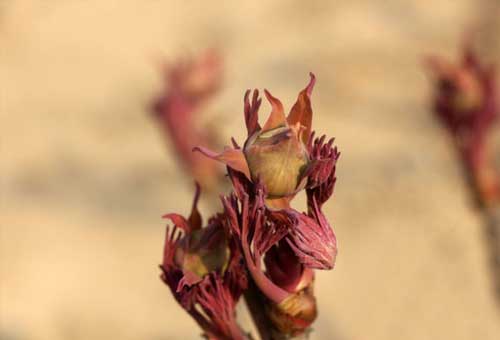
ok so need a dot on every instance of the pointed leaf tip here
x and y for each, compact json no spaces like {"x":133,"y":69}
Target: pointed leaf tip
{"x":179,"y":221}
{"x":234,"y":158}
{"x":277,"y":117}
{"x":195,"y":220}
{"x":311,"y":84}
{"x":251,"y":111}
{"x":301,"y":111}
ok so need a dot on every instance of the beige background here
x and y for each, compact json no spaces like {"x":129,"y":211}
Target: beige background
{"x":85,"y":175}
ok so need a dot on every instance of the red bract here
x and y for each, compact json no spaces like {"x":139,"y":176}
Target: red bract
{"x":466,"y":102}
{"x":285,"y":282}
{"x":202,"y":267}
{"x":214,"y":298}
{"x":188,"y":86}
{"x":284,"y":268}
{"x":321,"y":180}
{"x":312,"y":239}
{"x":247,"y":220}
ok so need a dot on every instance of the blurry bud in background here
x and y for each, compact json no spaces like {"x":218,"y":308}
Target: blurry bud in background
{"x":189,"y":84}
{"x":466,"y":102}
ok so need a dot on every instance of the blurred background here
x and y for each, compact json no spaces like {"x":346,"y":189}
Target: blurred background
{"x":86,"y":172}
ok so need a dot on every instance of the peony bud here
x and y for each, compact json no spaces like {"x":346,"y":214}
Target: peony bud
{"x":202,"y":267}
{"x":279,"y":158}
{"x":203,"y":251}
{"x":295,"y":314}
{"x":275,"y":154}
{"x":279,"y":246}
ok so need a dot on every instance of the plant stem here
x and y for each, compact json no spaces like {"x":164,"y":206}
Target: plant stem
{"x":256,"y":306}
{"x":492,"y":221}
{"x":489,"y":208}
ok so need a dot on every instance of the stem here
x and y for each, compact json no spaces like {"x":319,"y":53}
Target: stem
{"x":303,"y":336}
{"x":490,"y":209}
{"x":256,"y":306}
{"x":492,"y":216}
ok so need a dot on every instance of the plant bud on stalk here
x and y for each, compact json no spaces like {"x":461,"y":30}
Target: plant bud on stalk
{"x":258,"y":232}
{"x":276,"y":153}
{"x":277,"y":156}
{"x":466,"y":102}
{"x":203,"y":269}
{"x":289,"y":243}
{"x":285,"y":283}
{"x":296,"y":312}
{"x":294,"y":315}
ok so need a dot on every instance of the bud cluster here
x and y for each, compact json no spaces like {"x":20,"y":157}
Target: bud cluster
{"x":258,"y":237}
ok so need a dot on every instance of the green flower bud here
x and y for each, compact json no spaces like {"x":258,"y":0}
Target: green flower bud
{"x":278,"y":158}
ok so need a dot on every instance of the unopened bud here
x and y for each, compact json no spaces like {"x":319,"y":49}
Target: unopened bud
{"x":295,"y":314}
{"x":204,"y":251}
{"x":278,"y":158}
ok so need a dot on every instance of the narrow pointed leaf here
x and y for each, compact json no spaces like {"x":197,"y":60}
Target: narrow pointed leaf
{"x":234,"y":158}
{"x":277,"y":117}
{"x":301,"y":111}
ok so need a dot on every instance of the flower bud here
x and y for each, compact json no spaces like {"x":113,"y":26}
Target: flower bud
{"x":201,"y":266}
{"x":295,"y":314}
{"x":466,"y":102}
{"x":278,"y":158}
{"x":275,"y":153}
{"x":203,"y":251}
